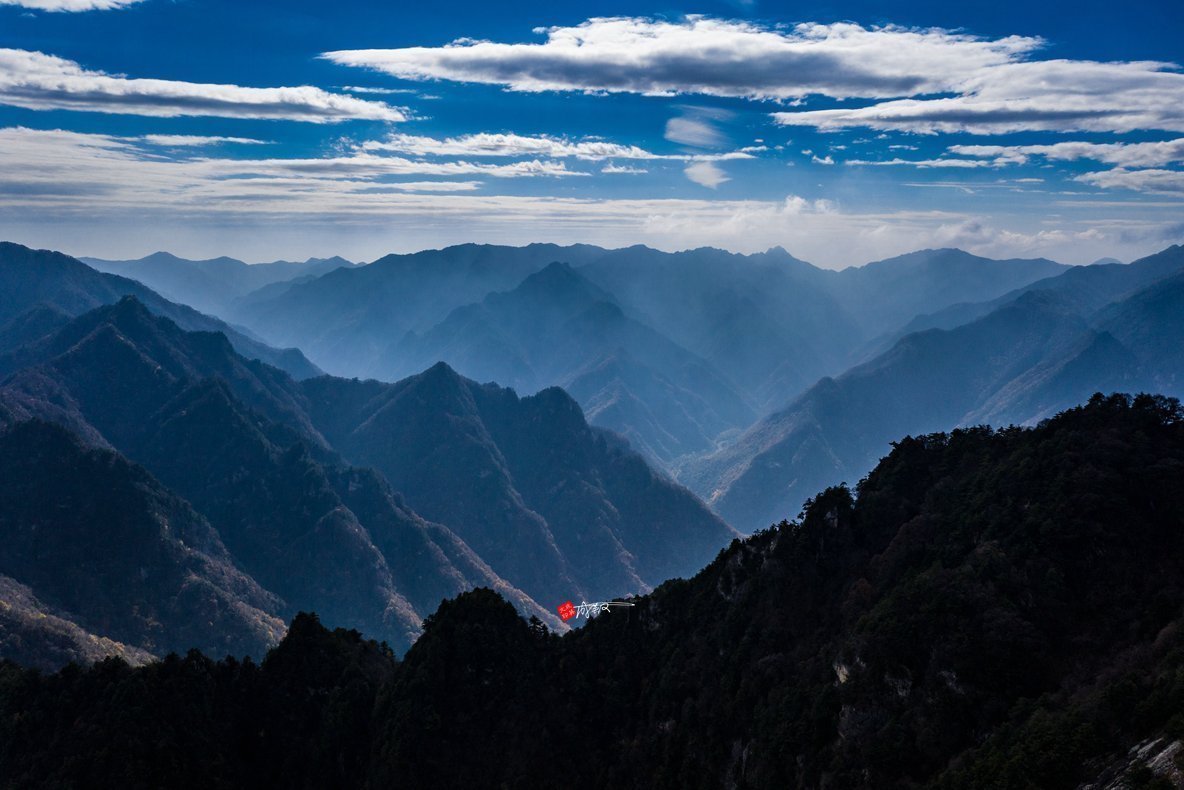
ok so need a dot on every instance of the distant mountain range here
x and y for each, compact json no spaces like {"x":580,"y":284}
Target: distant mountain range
{"x":675,"y":351}
{"x":768,"y":323}
{"x":772,"y":324}
{"x":1015,"y":359}
{"x":517,"y":494}
{"x":41,"y":291}
{"x":753,"y":379}
{"x":349,"y":318}
{"x":557,"y":328}
{"x":216,"y":285}
{"x":256,"y":486}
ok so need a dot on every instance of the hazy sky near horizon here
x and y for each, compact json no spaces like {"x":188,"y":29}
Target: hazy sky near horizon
{"x":838,"y":130}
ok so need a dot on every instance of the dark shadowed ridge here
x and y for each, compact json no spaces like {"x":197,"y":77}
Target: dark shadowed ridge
{"x":35,"y":284}
{"x":558,"y":507}
{"x":145,"y":570}
{"x":233,"y":437}
{"x":522,"y":495}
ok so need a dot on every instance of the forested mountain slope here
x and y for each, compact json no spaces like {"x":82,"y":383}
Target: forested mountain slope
{"x":990,"y":609}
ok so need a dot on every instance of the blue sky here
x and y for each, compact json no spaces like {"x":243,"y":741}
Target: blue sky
{"x":840,"y":131}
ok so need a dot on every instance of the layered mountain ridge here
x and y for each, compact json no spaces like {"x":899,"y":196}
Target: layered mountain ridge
{"x":266,"y":460}
{"x":675,"y":351}
{"x":370,"y":501}
{"x":44,"y":289}
{"x":215,"y":285}
{"x":1042,"y":350}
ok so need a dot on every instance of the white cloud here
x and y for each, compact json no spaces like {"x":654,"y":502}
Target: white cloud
{"x":1054,"y":95}
{"x":922,"y":163}
{"x":507,"y":145}
{"x":1163,"y":182}
{"x":708,"y":56}
{"x":435,"y":186}
{"x":369,"y":166}
{"x":378,"y":91}
{"x":1138,"y":166}
{"x":67,"y":171}
{"x":612,"y":169}
{"x":924,"y":80}
{"x":796,"y":204}
{"x":1150,"y":154}
{"x":706,"y":174}
{"x":37,"y":81}
{"x":84,"y":192}
{"x":825,"y":160}
{"x":71,"y":5}
{"x":694,"y":131}
{"x":194,"y":140}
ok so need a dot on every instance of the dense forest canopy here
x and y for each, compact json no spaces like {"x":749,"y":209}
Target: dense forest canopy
{"x":988,"y":608}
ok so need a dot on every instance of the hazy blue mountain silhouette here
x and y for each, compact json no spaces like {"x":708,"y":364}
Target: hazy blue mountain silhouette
{"x":774,"y":324}
{"x":1044,"y":350}
{"x":765,"y":321}
{"x":759,"y":329}
{"x":213,"y":285}
{"x":1090,"y":287}
{"x":889,"y":293}
{"x":41,"y":290}
{"x":349,"y":318}
{"x":557,"y":328}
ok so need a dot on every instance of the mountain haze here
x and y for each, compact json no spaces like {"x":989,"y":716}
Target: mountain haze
{"x":497,"y":490}
{"x":1041,"y":352}
{"x":212,"y":286}
{"x":41,"y":290}
{"x":349,"y":318}
{"x":557,"y":328}
{"x":675,"y":351}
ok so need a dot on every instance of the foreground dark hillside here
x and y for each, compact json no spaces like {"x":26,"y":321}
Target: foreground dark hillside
{"x":993,"y":609}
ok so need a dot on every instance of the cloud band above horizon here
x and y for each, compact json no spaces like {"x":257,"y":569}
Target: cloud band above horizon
{"x":37,"y":81}
{"x":990,"y":85}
